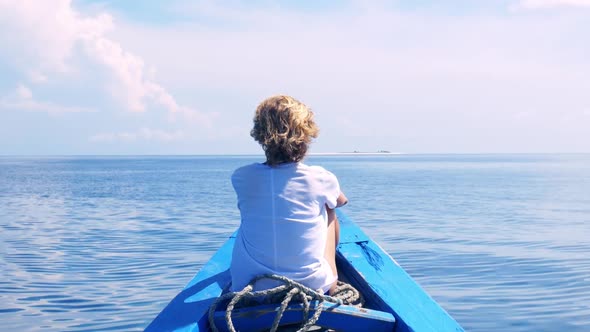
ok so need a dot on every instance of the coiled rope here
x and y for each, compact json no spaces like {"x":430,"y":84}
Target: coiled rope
{"x":289,"y":289}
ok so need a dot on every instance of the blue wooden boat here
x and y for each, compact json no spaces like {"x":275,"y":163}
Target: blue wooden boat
{"x":393,"y":300}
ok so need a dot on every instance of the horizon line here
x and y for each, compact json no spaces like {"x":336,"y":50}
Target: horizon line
{"x":327,"y":154}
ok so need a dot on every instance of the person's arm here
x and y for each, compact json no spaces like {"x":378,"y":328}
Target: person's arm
{"x":332,"y":220}
{"x":341,"y":200}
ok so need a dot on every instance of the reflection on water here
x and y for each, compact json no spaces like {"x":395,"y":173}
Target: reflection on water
{"x":99,"y":243}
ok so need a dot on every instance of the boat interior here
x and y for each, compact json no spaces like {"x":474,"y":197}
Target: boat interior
{"x":334,"y":317}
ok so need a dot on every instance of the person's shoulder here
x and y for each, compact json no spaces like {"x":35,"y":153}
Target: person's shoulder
{"x":246,"y":169}
{"x":318,"y":170}
{"x":313,"y":168}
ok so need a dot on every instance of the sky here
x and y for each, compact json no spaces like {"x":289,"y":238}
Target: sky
{"x":80,"y":77}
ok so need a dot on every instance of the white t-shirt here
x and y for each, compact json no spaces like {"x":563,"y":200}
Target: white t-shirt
{"x":283,"y":224}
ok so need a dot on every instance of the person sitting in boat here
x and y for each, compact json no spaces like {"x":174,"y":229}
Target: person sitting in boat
{"x":288,"y":225}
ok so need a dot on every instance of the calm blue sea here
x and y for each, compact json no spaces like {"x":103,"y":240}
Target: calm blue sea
{"x":502,"y":242}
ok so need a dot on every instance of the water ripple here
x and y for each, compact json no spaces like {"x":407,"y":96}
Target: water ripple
{"x":102,"y":244}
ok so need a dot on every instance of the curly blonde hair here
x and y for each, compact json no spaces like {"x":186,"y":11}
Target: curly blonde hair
{"x":284,"y":127}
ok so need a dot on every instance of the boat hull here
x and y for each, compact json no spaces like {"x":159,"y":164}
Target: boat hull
{"x":361,"y":262}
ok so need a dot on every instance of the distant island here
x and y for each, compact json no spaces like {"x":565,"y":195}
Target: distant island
{"x":380,"y":151}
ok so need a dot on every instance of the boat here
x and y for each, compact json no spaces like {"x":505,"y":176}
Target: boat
{"x":393,"y":300}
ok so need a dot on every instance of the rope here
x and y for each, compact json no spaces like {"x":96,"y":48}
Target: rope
{"x":289,"y":289}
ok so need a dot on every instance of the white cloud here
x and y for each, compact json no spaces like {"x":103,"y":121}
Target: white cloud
{"x":44,"y":38}
{"x":546,"y":4}
{"x":143,"y":134}
{"x":22,"y":92}
{"x":490,"y":82}
{"x":428,"y":82}
{"x":22,"y":99}
{"x":37,"y":77}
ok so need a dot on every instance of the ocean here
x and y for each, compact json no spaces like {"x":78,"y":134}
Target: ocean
{"x":98,"y":243}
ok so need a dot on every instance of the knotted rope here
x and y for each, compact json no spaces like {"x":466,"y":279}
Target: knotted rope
{"x":289,"y":289}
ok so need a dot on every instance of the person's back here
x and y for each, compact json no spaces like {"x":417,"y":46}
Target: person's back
{"x":284,"y":223}
{"x":287,"y":223}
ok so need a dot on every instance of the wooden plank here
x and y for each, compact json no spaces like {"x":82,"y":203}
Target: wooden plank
{"x":380,"y":279}
{"x":188,"y":310}
{"x":342,"y":318}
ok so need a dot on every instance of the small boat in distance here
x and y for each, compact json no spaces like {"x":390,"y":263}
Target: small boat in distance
{"x":393,"y":300}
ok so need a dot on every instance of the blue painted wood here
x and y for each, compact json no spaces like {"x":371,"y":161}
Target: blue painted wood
{"x":386,"y":284}
{"x":361,"y":262}
{"x":188,"y":310}
{"x":341,"y":318}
